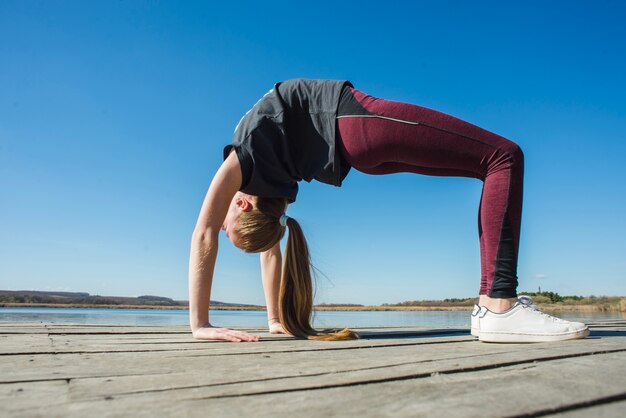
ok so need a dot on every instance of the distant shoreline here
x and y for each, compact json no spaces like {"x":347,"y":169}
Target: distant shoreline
{"x":547,"y":301}
{"x":550,"y":307}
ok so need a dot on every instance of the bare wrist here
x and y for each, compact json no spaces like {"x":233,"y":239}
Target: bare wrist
{"x":197,"y":325}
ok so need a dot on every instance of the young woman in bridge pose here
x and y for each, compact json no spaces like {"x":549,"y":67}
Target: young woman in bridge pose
{"x":319,"y":129}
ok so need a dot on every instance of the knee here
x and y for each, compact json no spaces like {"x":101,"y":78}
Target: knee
{"x":515,"y":153}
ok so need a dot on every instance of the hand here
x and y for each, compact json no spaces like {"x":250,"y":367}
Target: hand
{"x":209,"y":332}
{"x":276,"y":327}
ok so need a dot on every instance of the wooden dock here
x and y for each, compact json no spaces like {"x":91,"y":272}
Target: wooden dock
{"x":53,"y":370}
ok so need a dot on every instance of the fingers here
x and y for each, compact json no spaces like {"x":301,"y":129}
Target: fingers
{"x":235,"y":336}
{"x":224,"y":334}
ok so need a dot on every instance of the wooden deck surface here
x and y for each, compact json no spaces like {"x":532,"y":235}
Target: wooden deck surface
{"x":53,"y":370}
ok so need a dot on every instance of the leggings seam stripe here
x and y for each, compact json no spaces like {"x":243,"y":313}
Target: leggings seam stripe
{"x":408,"y":122}
{"x":464,"y":136}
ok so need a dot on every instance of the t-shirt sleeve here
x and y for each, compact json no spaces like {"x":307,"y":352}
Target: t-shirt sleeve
{"x":227,"y":149}
{"x":262,"y":168}
{"x":245,"y":163}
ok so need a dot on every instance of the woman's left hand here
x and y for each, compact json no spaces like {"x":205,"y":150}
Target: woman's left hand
{"x":276,"y":328}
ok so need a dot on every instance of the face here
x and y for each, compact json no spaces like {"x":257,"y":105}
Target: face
{"x":241,"y":203}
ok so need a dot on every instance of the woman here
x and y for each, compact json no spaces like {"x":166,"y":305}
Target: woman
{"x":318,"y":129}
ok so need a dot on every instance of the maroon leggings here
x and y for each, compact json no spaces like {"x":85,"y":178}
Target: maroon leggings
{"x":391,"y":137}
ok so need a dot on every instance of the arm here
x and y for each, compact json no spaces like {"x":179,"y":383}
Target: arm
{"x":271,"y":262}
{"x":204,"y":240}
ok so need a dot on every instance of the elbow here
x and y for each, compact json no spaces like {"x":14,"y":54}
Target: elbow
{"x":273,"y":252}
{"x":204,"y":237}
{"x":272,"y":257}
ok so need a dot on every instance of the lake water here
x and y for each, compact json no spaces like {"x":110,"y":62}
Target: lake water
{"x":259,"y":318}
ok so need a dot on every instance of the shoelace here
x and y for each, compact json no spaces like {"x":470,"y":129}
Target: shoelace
{"x":527,"y":302}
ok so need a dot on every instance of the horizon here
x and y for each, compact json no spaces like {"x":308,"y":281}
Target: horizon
{"x":52,"y":292}
{"x":114,"y":115}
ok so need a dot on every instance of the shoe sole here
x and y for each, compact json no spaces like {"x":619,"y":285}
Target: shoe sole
{"x":474,"y":331}
{"x":507,"y":337}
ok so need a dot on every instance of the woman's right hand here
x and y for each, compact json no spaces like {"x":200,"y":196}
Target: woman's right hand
{"x":209,"y":332}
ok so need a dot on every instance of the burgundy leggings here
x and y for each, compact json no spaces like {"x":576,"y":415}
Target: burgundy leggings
{"x":391,"y":137}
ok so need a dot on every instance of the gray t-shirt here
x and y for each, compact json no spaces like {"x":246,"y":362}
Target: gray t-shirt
{"x":288,"y":136}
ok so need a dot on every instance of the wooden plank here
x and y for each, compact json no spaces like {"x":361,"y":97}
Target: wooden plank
{"x":131,"y":329}
{"x":310,"y":371}
{"x":7,"y":327}
{"x":17,"y":398}
{"x":89,"y":340}
{"x":76,"y":341}
{"x":611,"y":409}
{"x":504,"y":391}
{"x":106,"y":343}
{"x":368,"y":332}
{"x":303,"y":370}
{"x":92,"y":329}
{"x":519,"y":389}
{"x":91,"y":360}
{"x":41,"y":367}
{"x":99,"y":344}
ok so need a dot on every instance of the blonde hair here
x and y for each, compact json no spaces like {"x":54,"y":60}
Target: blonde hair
{"x":259,"y":230}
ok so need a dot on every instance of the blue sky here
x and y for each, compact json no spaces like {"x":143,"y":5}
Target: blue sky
{"x":113,"y":116}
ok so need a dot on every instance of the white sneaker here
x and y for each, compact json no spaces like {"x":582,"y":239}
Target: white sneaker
{"x":525,"y":323}
{"x":475,"y":329}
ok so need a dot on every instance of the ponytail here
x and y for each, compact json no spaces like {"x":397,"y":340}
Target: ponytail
{"x":296,"y":290}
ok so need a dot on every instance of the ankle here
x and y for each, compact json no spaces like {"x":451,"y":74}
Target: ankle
{"x":497,"y":305}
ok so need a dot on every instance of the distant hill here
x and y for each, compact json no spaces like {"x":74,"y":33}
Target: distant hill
{"x":83,"y":298}
{"x":546,"y":300}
